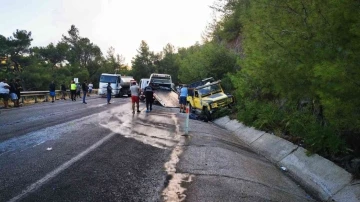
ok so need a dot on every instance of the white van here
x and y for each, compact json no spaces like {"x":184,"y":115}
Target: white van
{"x":143,"y":83}
{"x":114,"y":79}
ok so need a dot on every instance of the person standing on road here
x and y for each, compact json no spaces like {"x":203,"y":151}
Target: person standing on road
{"x":63,"y":91}
{"x":85,"y":90}
{"x":78,"y":90}
{"x":18,"y":89}
{"x":108,"y":92}
{"x":90,"y":86}
{"x":149,"y":97}
{"x":12,"y":92}
{"x":73,"y":90}
{"x":135,"y":96}
{"x":182,"y":98}
{"x":52,"y":87}
{"x":4,"y":92}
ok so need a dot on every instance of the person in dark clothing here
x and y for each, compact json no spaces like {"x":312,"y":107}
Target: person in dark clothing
{"x":63,"y":91}
{"x":84,"y":87}
{"x":18,"y":89}
{"x":78,"y":90}
{"x":149,"y":97}
{"x":12,"y":92}
{"x":108,"y":93}
{"x":52,"y":87}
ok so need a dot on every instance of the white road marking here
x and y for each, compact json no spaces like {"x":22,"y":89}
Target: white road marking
{"x":60,"y":169}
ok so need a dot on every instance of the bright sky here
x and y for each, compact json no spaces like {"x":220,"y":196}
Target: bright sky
{"x":118,"y":23}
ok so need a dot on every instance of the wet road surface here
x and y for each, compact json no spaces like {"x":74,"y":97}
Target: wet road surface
{"x":69,"y":151}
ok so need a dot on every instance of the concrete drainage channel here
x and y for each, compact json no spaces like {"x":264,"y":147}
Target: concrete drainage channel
{"x":323,"y":178}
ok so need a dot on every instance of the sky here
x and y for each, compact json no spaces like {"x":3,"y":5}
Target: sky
{"x":121,"y":24}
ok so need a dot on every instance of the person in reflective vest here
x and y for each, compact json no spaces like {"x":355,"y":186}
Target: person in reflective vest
{"x":73,"y":91}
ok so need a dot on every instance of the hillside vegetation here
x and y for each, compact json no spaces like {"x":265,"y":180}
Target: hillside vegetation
{"x":294,"y":67}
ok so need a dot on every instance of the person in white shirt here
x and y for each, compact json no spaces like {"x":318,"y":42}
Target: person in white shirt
{"x":90,"y":86}
{"x":135,"y":89}
{"x":4,"y":92}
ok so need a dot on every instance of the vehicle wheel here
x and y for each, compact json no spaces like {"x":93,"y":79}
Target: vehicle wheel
{"x":206,"y":114}
{"x":129,"y":95}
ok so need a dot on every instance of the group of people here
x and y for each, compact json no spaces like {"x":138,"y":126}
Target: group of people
{"x":149,"y":97}
{"x":75,"y":90}
{"x":135,"y":92}
{"x":10,"y":91}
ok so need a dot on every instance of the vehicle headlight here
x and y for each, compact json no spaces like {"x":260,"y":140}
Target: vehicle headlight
{"x":214,"y":105}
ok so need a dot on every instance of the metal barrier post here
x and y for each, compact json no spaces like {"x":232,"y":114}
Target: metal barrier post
{"x":187,"y":120}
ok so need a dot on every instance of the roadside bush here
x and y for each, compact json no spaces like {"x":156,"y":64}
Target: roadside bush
{"x":226,"y":84}
{"x":317,"y":137}
{"x":296,"y":125}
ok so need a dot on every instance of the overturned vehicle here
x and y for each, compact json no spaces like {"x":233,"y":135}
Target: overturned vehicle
{"x":207,"y":96}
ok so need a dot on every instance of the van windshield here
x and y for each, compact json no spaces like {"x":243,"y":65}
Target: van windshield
{"x":107,"y":79}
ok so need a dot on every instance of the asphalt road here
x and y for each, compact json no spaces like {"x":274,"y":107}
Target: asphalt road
{"x":69,"y":151}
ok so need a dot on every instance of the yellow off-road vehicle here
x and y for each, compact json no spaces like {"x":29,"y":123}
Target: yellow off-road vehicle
{"x":207,"y":96}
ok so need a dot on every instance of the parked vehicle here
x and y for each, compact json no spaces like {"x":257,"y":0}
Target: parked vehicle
{"x":163,"y":90}
{"x":161,"y":81}
{"x":143,"y":83}
{"x":206,"y":97}
{"x":125,"y":85}
{"x":120,"y":84}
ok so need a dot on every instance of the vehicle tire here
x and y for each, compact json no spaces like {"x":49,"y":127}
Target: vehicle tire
{"x":129,"y":95}
{"x":206,"y":115}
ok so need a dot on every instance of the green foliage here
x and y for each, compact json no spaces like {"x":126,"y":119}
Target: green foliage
{"x":143,"y":63}
{"x":208,"y":60}
{"x":73,"y":57}
{"x":35,"y":77}
{"x":168,"y":64}
{"x":299,"y":71}
{"x":227,"y":84}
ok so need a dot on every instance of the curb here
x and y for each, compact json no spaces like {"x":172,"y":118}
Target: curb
{"x":323,"y":178}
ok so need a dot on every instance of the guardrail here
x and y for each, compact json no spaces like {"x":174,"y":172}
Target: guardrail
{"x":45,"y":94}
{"x":35,"y":94}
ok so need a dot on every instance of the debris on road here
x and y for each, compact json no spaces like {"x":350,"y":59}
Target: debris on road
{"x":49,"y":149}
{"x":283,"y":168}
